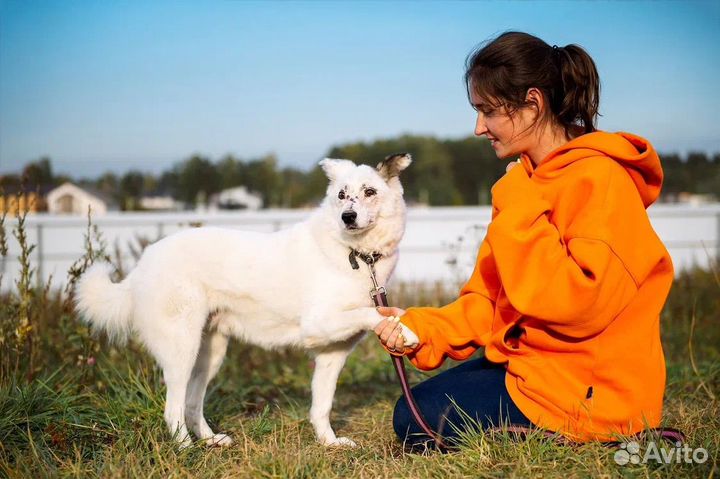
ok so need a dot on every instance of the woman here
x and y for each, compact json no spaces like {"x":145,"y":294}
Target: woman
{"x":570,"y":279}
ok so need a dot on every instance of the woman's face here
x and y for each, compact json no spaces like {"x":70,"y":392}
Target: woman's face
{"x":509,"y":134}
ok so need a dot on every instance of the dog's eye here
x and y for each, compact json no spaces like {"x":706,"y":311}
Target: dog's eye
{"x":341,"y":195}
{"x":370,"y":192}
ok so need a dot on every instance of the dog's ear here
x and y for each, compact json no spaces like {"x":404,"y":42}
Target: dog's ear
{"x":335,"y":168}
{"x":392,"y":165}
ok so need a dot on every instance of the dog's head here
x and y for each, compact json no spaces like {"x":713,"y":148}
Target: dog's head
{"x":359,"y":195}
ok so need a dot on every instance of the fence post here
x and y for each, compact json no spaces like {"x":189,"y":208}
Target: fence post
{"x":717,"y":239}
{"x":40,"y":253}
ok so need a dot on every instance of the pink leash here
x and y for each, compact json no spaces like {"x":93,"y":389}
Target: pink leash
{"x":379,"y":297}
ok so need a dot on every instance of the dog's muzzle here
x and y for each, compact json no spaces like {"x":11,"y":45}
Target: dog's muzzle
{"x":348,"y":217}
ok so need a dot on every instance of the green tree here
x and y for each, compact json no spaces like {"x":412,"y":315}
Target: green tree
{"x":304,"y":189}
{"x":109,"y":185}
{"x":131,"y":189}
{"x":168,"y":184}
{"x":429,"y":180}
{"x":197,"y":179}
{"x":263,"y":178}
{"x":150,"y":184}
{"x":38,"y":173}
{"x":475,"y":168}
{"x":9,"y":183}
{"x":232,"y":171}
{"x":705,"y":171}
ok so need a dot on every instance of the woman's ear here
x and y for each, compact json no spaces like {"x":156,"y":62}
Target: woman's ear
{"x":535,"y":97}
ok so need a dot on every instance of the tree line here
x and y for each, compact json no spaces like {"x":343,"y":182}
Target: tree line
{"x":444,"y":173}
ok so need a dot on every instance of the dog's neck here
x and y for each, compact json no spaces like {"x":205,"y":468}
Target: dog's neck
{"x":369,"y":259}
{"x":383,"y":238}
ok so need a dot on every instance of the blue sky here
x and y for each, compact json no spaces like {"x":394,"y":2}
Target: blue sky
{"x":118,"y":85}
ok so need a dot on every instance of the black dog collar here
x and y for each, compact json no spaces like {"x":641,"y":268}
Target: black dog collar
{"x":370,"y":259}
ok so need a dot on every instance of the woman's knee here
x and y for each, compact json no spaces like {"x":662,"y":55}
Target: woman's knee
{"x":402,"y":420}
{"x":405,"y":425}
{"x":407,"y":430}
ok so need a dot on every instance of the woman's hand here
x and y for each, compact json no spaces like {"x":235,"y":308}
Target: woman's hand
{"x":389,"y":330}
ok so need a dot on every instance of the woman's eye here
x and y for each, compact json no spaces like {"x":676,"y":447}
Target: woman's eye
{"x":341,"y":195}
{"x":370,"y":192}
{"x":486,"y":110}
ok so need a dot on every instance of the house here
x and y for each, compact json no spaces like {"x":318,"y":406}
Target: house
{"x":71,"y":199}
{"x":238,"y":198}
{"x":21,"y":202}
{"x":160,"y":203}
{"x":693,"y":199}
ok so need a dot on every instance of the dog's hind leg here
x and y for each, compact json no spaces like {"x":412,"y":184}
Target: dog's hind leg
{"x":210,"y":357}
{"x":174,"y":341}
{"x":328,"y":364}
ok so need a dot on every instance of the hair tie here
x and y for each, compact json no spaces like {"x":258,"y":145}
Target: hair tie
{"x":556,"y":53}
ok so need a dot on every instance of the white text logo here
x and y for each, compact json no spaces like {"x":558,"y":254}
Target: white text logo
{"x":682,"y":453}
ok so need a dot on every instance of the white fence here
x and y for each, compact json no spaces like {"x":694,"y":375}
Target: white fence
{"x":439,"y":243}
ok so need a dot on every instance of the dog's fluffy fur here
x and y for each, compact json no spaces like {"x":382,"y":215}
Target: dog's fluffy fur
{"x":194,"y":289}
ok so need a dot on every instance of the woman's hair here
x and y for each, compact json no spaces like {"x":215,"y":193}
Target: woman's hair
{"x":503,"y":69}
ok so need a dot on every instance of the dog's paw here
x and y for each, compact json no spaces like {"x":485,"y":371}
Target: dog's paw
{"x":340,"y":442}
{"x":411,"y":339}
{"x":218,"y":440}
{"x":184,"y":444}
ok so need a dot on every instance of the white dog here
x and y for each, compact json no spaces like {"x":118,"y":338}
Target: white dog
{"x":305,"y":286}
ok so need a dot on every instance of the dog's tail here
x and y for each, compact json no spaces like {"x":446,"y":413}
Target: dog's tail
{"x":104,"y":304}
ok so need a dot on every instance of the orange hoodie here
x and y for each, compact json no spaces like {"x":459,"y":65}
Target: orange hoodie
{"x":567,"y":290}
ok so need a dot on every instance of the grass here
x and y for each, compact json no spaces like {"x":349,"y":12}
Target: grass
{"x":73,"y":406}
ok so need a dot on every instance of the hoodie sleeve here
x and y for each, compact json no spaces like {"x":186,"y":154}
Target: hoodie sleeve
{"x":576,"y":285}
{"x":457,"y":329}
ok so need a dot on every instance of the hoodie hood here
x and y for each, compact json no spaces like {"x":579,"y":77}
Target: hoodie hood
{"x":634,"y":153}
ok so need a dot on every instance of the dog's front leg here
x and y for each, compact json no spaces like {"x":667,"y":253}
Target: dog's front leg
{"x":321,"y":329}
{"x":327,"y":369}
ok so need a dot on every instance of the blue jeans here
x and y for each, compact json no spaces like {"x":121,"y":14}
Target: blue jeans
{"x":476,"y":387}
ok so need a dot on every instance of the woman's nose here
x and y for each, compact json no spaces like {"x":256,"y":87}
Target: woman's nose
{"x":480,"y":128}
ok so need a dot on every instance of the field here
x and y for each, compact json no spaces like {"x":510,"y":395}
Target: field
{"x":73,"y":406}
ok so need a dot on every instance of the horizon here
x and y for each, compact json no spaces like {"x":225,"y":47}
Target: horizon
{"x":102,"y":87}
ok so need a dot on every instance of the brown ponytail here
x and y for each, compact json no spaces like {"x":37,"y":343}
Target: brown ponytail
{"x":503,"y":69}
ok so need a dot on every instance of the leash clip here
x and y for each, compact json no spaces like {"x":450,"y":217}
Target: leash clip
{"x":377,"y":289}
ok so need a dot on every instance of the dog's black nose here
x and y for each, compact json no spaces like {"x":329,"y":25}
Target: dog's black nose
{"x":348,"y":217}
